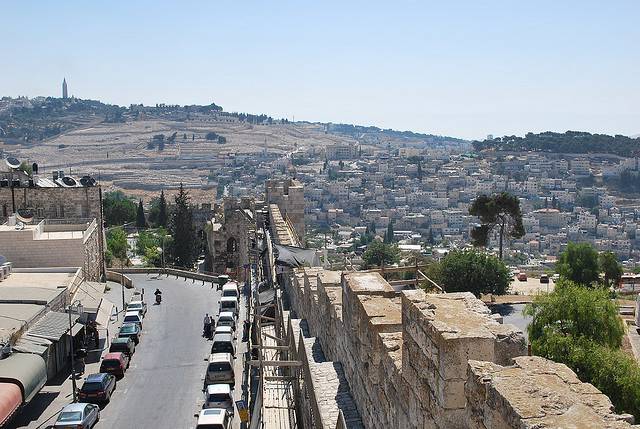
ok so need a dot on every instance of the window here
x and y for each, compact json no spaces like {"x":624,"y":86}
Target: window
{"x":232,"y":245}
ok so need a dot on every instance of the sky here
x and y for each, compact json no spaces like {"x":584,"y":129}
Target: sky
{"x":456,"y":68}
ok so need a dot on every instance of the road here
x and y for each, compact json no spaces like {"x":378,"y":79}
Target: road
{"x":163,"y":386}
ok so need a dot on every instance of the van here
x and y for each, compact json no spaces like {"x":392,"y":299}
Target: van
{"x":229,"y":303}
{"x":133,"y":317}
{"x":223,"y":343}
{"x":124,"y":345}
{"x":219,"y":396}
{"x":214,"y":418}
{"x":220,"y":369}
{"x":230,"y":290}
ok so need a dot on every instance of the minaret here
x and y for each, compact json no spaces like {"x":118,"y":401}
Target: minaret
{"x":64,"y":89}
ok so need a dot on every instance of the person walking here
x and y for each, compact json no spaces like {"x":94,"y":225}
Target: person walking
{"x":207,"y":325}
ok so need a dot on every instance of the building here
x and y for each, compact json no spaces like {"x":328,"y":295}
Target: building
{"x":65,"y":94}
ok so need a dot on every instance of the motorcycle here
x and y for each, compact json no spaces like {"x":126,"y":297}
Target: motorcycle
{"x":158,"y":298}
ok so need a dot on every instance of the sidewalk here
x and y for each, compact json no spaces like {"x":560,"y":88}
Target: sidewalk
{"x":43,"y":409}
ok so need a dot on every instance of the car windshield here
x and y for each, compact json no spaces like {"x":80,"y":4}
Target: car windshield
{"x":131,"y":319}
{"x":70,"y":416}
{"x":210,"y":426}
{"x":111,"y":363}
{"x":91,"y":387}
{"x":128,"y":330}
{"x":135,"y":306}
{"x":219,"y":366}
{"x":219,"y":397}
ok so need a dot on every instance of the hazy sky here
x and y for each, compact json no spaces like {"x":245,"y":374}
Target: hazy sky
{"x":456,"y":68}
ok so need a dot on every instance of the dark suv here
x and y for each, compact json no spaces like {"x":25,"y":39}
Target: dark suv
{"x":124,"y":345}
{"x":97,"y":388}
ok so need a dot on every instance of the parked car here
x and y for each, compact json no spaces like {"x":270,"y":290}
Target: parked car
{"x":223,"y":343}
{"x":214,"y":418}
{"x":115,"y":363}
{"x":219,"y":396}
{"x":226,"y":318}
{"x":78,"y":415}
{"x":125,"y":345}
{"x":223,"y":329}
{"x":522,"y":277}
{"x":229,"y":303}
{"x":230,"y":290}
{"x":97,"y":388}
{"x":220,"y":369}
{"x":544,"y":278}
{"x":130,"y":330}
{"x":555,"y":277}
{"x":140,"y":306}
{"x":133,"y":317}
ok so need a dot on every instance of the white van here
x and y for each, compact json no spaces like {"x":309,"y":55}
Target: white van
{"x":220,"y":369}
{"x":230,"y":290}
{"x":214,"y":418}
{"x":229,"y":303}
{"x":219,"y":396}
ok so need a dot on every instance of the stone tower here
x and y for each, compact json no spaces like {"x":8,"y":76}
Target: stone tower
{"x":64,"y":89}
{"x":289,"y":196}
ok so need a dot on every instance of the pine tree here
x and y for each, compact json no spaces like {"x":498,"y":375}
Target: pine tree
{"x":184,"y":245}
{"x":163,"y":217}
{"x":140,"y":220}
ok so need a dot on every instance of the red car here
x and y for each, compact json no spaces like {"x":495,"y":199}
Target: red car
{"x":522,"y":277}
{"x":115,"y":363}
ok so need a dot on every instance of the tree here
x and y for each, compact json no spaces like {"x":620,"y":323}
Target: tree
{"x":140,"y":220}
{"x":500,"y":211}
{"x":211,"y":135}
{"x":579,"y":263}
{"x":611,"y":268}
{"x":581,"y":328}
{"x":160,"y":212}
{"x":388,"y":237}
{"x":117,"y":242}
{"x":379,"y":254}
{"x":118,"y":211}
{"x":184,"y":247}
{"x":472,"y":271}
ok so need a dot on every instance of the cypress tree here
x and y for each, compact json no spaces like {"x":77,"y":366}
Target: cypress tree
{"x":140,"y":220}
{"x":184,"y":244}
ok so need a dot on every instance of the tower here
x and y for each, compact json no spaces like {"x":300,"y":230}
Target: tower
{"x":64,"y":89}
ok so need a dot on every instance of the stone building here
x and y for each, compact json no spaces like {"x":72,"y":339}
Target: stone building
{"x":289,"y":196}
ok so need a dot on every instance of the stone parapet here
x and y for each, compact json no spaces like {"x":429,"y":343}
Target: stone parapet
{"x":535,"y":393}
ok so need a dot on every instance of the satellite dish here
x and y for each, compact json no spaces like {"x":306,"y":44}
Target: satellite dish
{"x":12,"y":162}
{"x":69,"y":181}
{"x":25,"y":215}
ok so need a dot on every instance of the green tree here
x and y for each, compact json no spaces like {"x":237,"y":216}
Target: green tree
{"x":581,"y":328}
{"x":140,"y":220}
{"x":116,"y":211}
{"x":211,"y":136}
{"x":611,"y":268}
{"x":145,"y":239}
{"x":500,"y":211}
{"x":472,"y":271}
{"x":117,"y":242}
{"x":184,"y":247}
{"x":379,"y":254}
{"x":579,"y":263}
{"x":389,"y":234}
{"x":160,"y":212}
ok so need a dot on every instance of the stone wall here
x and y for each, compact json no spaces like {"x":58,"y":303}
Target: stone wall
{"x":289,"y":196}
{"x":532,"y":393}
{"x":52,"y":203}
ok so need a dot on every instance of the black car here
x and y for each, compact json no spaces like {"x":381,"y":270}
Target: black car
{"x":97,"y":388}
{"x":130,"y":330}
{"x":125,"y":345}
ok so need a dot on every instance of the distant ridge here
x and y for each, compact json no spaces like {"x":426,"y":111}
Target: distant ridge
{"x":569,"y":142}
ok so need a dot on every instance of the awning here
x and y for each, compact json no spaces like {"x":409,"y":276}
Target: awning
{"x":295,"y":256}
{"x":53,"y":325}
{"x":105,"y":310}
{"x":10,"y":400}
{"x":26,"y":370}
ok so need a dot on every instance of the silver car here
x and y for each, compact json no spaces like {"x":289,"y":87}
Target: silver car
{"x":78,"y":415}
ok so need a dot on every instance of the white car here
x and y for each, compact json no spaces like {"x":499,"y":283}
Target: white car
{"x":226,"y":318}
{"x":224,"y":329}
{"x":219,"y":396}
{"x":140,"y":306}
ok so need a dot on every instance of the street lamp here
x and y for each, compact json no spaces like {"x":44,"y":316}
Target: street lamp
{"x":73,"y":359}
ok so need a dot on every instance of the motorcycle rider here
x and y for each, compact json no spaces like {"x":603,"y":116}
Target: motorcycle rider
{"x":158,"y":294}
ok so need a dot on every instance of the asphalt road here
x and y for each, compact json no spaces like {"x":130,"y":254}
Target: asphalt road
{"x":163,"y":386}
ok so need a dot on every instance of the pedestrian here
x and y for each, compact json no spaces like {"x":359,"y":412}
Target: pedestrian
{"x":207,"y":325}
